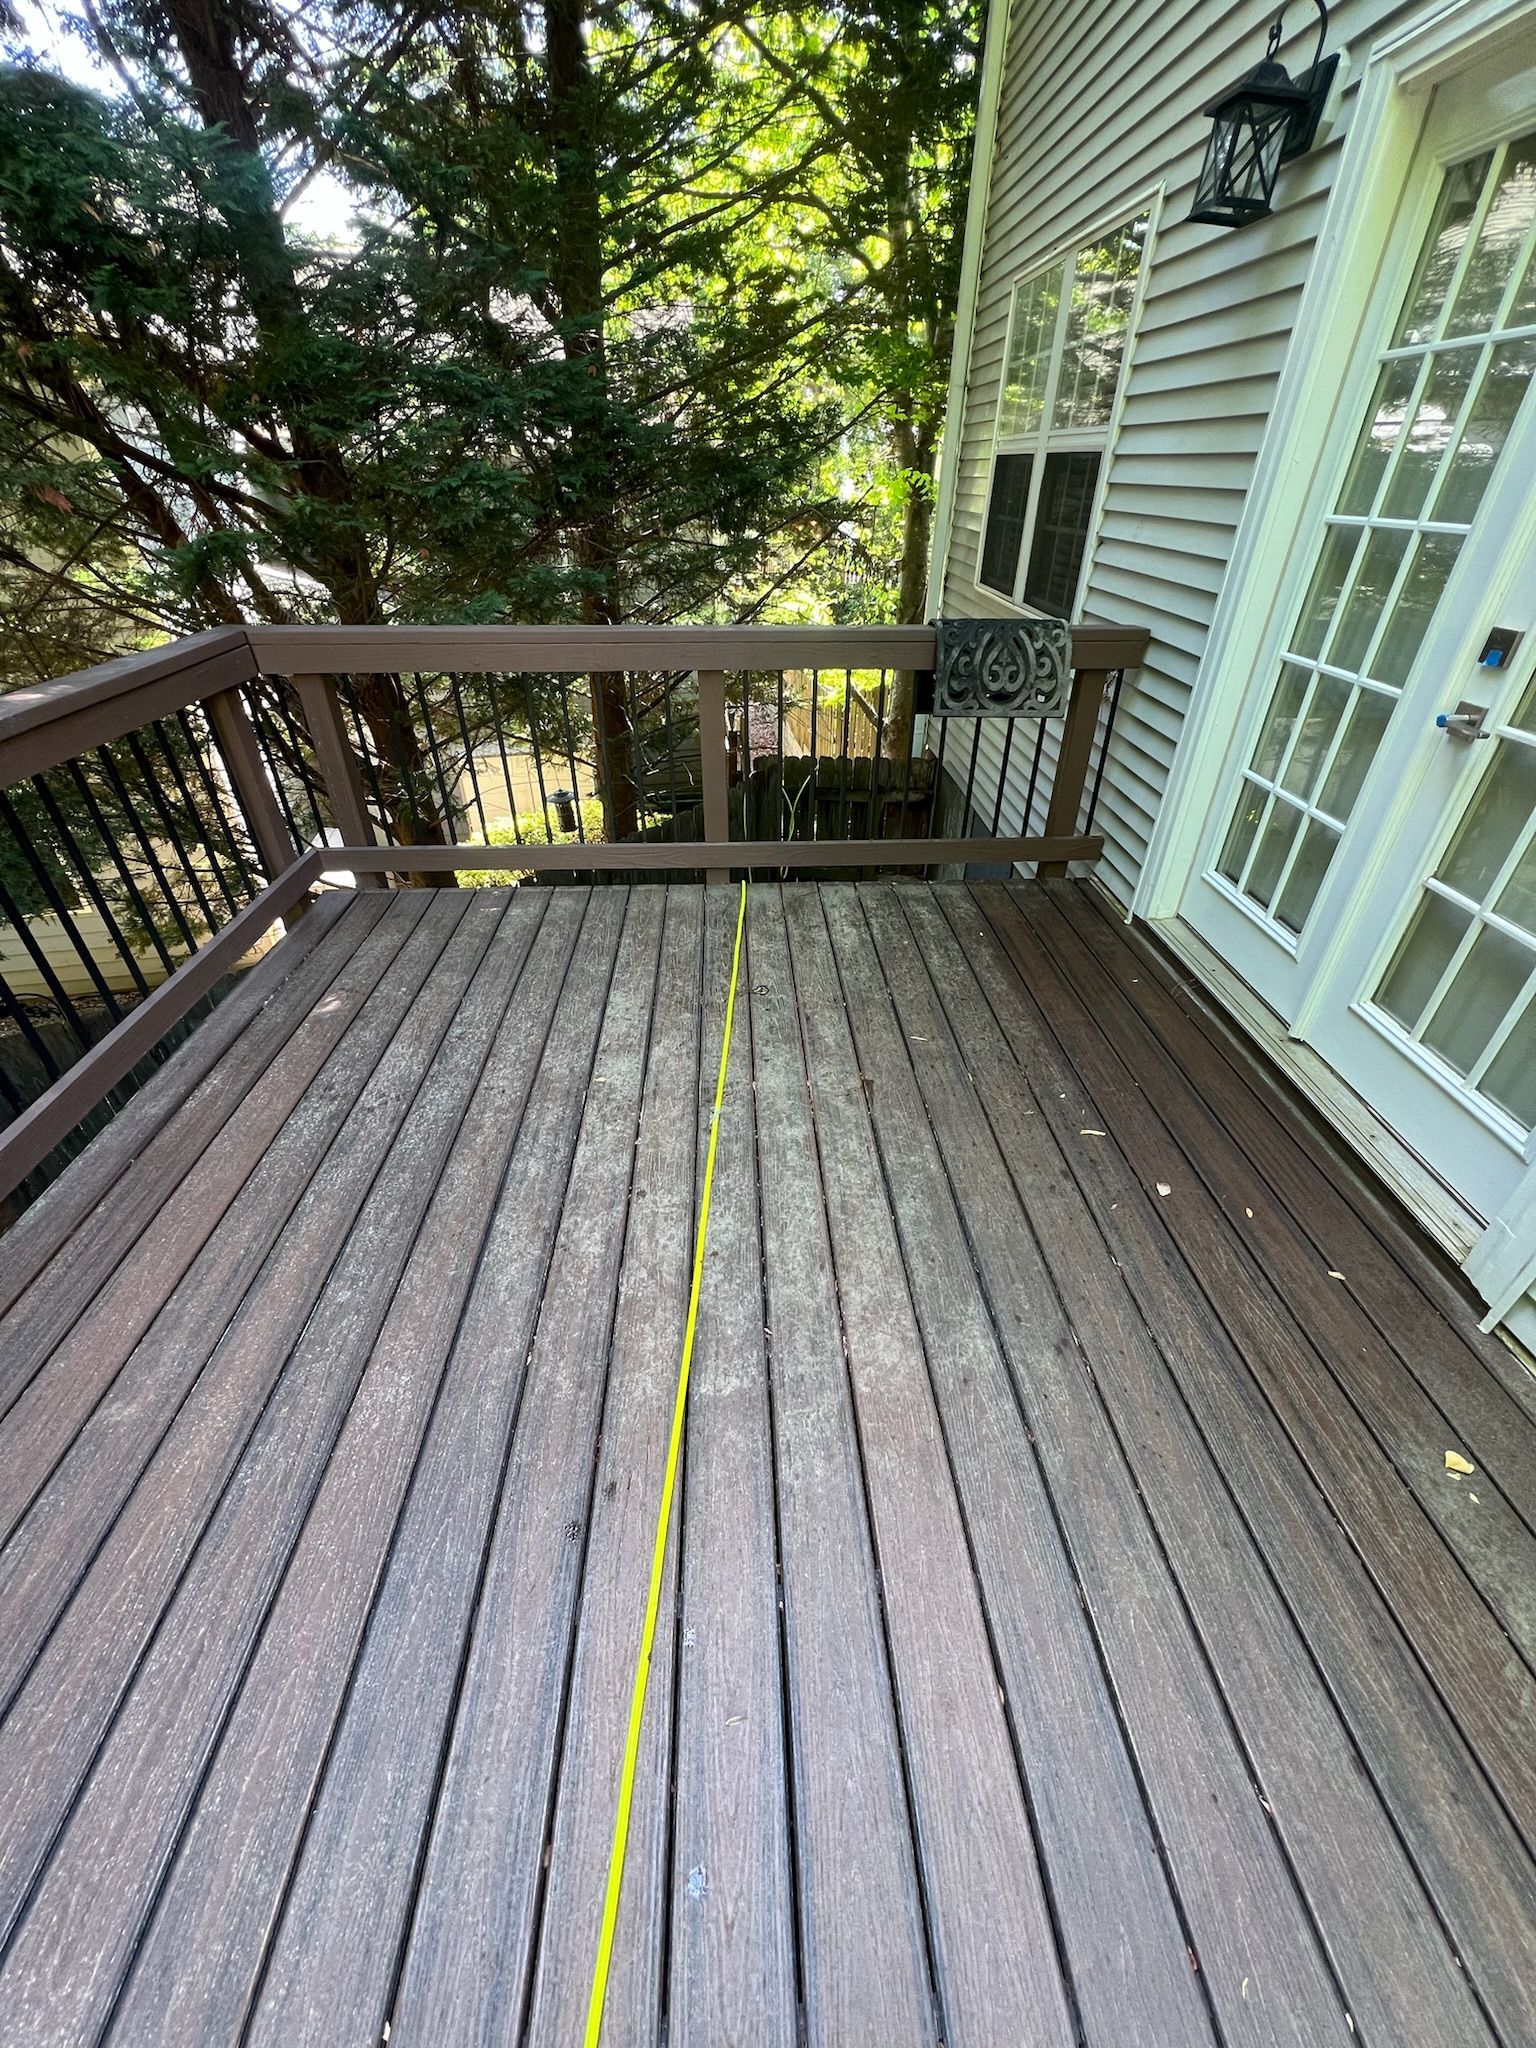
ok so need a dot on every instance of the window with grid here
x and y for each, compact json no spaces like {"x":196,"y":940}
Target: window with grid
{"x":1066,"y":349}
{"x":1448,"y":387}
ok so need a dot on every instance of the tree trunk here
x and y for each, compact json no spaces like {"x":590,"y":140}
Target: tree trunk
{"x":576,"y":273}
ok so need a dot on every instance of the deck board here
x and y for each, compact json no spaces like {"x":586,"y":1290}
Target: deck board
{"x":1131,"y":1974}
{"x":1069,"y":1635}
{"x":273,"y":992}
{"x":468,"y":1964}
{"x":1429,"y":1781}
{"x":732,"y":1924}
{"x":77,"y":1504}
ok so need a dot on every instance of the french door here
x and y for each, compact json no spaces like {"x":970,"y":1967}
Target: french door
{"x":1370,"y":862}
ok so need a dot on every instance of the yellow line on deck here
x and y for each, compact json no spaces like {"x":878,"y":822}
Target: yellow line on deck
{"x":663,"y":1523}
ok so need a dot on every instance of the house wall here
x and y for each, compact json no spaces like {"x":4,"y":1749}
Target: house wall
{"x":1099,"y":108}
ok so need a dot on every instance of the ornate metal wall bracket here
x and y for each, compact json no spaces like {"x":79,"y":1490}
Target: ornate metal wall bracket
{"x":1002,"y":668}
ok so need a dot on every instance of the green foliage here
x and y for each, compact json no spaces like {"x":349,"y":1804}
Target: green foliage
{"x":533,"y":828}
{"x":639,"y":315}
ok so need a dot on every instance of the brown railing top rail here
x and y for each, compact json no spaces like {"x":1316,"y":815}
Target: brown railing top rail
{"x":572,"y":650}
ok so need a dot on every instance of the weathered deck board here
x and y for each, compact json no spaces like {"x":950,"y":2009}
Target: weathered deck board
{"x":1458,"y":1836}
{"x":1055,"y":1638}
{"x":77,"y":1505}
{"x":1395,"y":1967}
{"x":1476,"y":1411}
{"x":1493,"y":1546}
{"x":996,"y":1971}
{"x":44,"y":1411}
{"x":733,"y":1981}
{"x":1417,"y":1300}
{"x":864,"y":1948}
{"x":94,"y":1189}
{"x":1130,"y":1971}
{"x":199,"y":1959}
{"x":1253,"y":1940}
{"x":468,"y":1962}
{"x":68,"y":1954}
{"x":1490,"y":1693}
{"x":637,"y":1415}
{"x":335,"y":1955}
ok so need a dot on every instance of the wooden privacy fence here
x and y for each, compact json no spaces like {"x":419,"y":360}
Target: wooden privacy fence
{"x":163,"y":813}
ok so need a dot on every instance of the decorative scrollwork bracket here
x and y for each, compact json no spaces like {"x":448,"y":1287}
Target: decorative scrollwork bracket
{"x":1002,"y":668}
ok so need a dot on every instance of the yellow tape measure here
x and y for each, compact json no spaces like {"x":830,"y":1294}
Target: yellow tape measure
{"x":663,"y":1522}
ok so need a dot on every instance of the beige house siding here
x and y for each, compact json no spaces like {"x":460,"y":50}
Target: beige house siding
{"x":1098,"y":109}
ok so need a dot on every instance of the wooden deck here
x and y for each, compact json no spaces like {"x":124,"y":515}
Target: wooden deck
{"x":1074,"y":1635}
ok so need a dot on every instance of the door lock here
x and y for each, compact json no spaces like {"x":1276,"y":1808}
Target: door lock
{"x":1465,"y":722}
{"x":1498,"y":647}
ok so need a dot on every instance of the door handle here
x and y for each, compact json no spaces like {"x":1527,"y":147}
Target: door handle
{"x":1465,"y":722}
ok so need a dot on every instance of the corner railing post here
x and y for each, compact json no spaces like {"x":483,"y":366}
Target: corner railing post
{"x":1077,"y":733}
{"x":338,"y":765}
{"x":236,"y":738}
{"x":714,"y":764}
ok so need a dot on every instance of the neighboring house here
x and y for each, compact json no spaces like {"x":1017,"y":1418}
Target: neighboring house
{"x":1303,"y":452}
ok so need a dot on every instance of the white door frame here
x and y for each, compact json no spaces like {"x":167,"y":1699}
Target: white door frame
{"x":1375,"y":167}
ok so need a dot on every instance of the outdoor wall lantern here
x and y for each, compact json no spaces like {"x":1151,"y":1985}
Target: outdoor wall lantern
{"x":1260,"y":123}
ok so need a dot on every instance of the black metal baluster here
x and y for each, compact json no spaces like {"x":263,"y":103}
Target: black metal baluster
{"x":256,"y":712}
{"x":15,"y":917}
{"x":570,"y":755}
{"x":60,"y":909}
{"x":538,"y":749}
{"x":168,"y":816}
{"x":493,"y":688}
{"x":1034,"y":777}
{"x":449,"y":818}
{"x":845,"y":814}
{"x":874,"y":814}
{"x":146,"y":846}
{"x":1002,"y":774}
{"x":370,"y":767}
{"x":471,"y":764}
{"x":111,"y":840}
{"x":779,"y":813}
{"x":670,"y":686}
{"x":155,"y":794}
{"x":16,"y":1010}
{"x":87,"y":874}
{"x":298,"y":741}
{"x":970,"y":779}
{"x":216,"y":799}
{"x":1112,"y":705}
{"x":600,"y":734}
{"x":813,"y":821}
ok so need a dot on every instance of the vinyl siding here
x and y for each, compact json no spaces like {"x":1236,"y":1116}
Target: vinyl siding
{"x":1099,"y":106}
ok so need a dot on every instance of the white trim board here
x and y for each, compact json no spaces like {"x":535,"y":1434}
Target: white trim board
{"x":994,"y":63}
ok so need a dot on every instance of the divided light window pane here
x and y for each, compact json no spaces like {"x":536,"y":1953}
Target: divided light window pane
{"x":1061,"y":531}
{"x":1029,"y":355}
{"x":1005,"y":522}
{"x":1103,"y":285}
{"x":1060,"y":380}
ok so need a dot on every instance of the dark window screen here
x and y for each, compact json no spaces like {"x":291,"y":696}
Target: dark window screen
{"x":1005,"y":522}
{"x":1061,"y":531}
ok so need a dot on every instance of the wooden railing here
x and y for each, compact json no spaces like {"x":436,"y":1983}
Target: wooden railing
{"x":190,"y":798}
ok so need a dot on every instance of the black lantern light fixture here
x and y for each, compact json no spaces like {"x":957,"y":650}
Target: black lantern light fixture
{"x":1260,"y":123}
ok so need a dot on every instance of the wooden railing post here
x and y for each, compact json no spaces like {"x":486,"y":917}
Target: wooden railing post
{"x":338,"y":765}
{"x":714,"y":763}
{"x":236,"y":738}
{"x":1077,"y":733}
